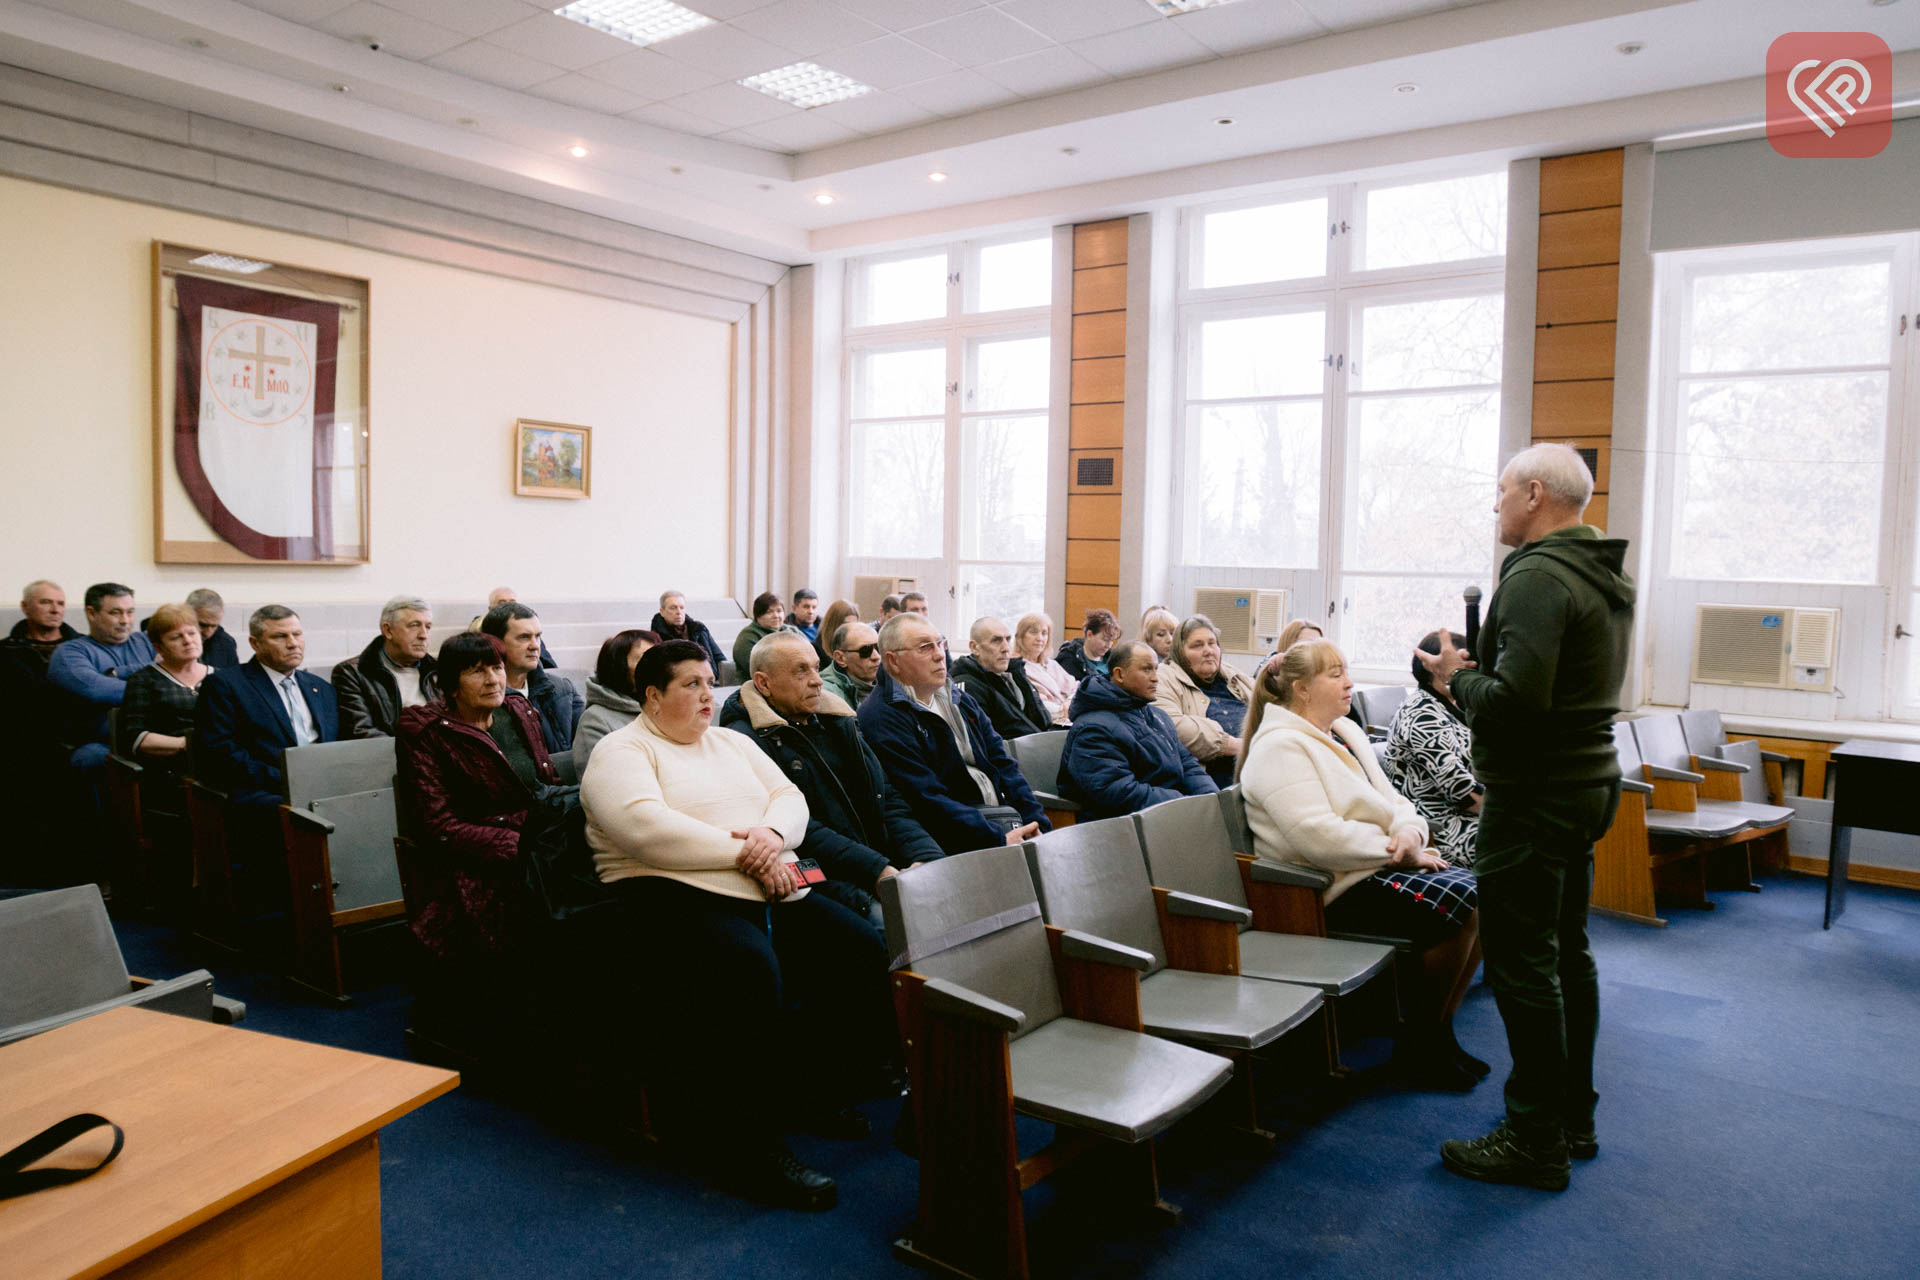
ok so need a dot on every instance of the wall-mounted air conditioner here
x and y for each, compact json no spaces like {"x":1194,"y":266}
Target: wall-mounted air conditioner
{"x":1247,"y":620}
{"x":869,"y":589}
{"x":1762,"y":647}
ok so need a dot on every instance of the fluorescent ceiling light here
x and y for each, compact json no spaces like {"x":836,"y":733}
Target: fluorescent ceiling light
{"x":222,"y":262}
{"x":1174,"y":8}
{"x":806,"y":84}
{"x":639,"y":21}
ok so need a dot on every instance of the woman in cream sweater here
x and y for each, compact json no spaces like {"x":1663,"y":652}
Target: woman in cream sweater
{"x":695,"y":830}
{"x":1315,"y":796}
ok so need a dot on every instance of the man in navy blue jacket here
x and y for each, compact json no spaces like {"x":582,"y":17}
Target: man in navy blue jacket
{"x":1122,"y":753}
{"x":560,"y":705}
{"x":938,"y":747}
{"x":248,"y":715}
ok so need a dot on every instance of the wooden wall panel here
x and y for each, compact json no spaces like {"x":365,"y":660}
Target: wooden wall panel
{"x":1563,"y":353}
{"x":1100,"y":333}
{"x":1082,"y":597}
{"x":1590,"y":180}
{"x":1102,"y":381}
{"x":1576,"y":295}
{"x":1096,"y":418}
{"x":1597,"y":511}
{"x":1093,"y":561}
{"x":1562,"y":409}
{"x":1585,"y":238}
{"x":1100,"y":244}
{"x":1100,"y":289}
{"x":1093,"y":516}
{"x":1097,"y":426}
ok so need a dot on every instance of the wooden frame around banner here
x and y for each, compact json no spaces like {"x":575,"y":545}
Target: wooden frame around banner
{"x":525,"y":490}
{"x":180,"y":534}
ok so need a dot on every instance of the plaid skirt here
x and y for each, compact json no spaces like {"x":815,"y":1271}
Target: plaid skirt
{"x":1454,"y":893}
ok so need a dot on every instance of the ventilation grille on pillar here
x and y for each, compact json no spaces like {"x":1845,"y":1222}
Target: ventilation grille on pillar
{"x":1094,"y":473}
{"x":1591,"y":457}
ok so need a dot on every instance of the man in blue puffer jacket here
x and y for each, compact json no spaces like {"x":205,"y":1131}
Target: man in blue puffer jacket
{"x":1122,"y":753}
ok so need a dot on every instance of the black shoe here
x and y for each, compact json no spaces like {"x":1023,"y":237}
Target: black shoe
{"x":1581,"y":1144}
{"x":1429,"y":1063}
{"x":847,"y":1124}
{"x":776,"y":1176}
{"x":1479,"y":1069}
{"x":1506,"y":1156}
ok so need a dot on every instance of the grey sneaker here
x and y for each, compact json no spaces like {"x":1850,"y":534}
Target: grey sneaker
{"x":1506,"y":1156}
{"x":1581,"y":1144}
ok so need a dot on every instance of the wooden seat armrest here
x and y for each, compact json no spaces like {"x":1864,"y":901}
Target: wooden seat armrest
{"x":1774,"y":757}
{"x":1278,"y":873}
{"x":1661,"y":773}
{"x":1099,"y":980}
{"x":1715,"y":763}
{"x":307,"y":818}
{"x":951,"y":1000}
{"x":1635,"y":785}
{"x":1076,"y":945}
{"x":1201,"y":934}
{"x":1194,"y":906}
{"x":1284,"y":899}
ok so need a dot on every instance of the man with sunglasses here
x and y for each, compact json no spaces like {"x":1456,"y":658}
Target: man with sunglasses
{"x":855,"y":648}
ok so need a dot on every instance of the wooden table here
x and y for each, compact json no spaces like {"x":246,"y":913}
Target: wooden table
{"x":247,"y":1155}
{"x":1873,"y":787}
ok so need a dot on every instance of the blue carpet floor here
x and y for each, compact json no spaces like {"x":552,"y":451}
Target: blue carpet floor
{"x":1760,"y":1117}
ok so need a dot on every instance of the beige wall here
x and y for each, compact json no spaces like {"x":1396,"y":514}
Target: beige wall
{"x":457,"y":356}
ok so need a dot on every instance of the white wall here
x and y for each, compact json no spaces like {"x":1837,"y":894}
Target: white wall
{"x":456,"y":357}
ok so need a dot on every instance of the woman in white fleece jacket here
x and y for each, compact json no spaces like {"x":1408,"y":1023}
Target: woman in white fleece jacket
{"x":695,"y":830}
{"x":1315,"y":796}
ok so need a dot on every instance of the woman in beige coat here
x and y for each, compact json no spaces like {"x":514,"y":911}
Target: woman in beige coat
{"x":1316,"y":797}
{"x":1206,"y":699}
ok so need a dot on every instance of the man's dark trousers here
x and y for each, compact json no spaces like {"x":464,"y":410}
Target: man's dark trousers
{"x":1534,"y":862}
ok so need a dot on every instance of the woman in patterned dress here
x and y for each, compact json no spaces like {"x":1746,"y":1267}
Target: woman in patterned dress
{"x":1426,"y":757}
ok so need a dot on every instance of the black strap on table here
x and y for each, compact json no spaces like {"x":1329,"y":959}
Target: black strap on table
{"x":17,"y":1180}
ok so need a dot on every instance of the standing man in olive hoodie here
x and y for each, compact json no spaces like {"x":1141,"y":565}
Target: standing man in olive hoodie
{"x":1541,"y":703}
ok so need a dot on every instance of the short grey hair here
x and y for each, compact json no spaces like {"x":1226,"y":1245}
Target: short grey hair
{"x":257,"y":624}
{"x":765,"y":649}
{"x":890,"y":634}
{"x":979,"y":631}
{"x":1559,"y":468}
{"x":205,"y":598}
{"x":668,"y":595}
{"x":26,"y":592}
{"x":392,"y":609}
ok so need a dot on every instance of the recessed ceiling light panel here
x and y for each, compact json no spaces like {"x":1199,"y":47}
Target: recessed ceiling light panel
{"x":577,"y":151}
{"x":225,"y":262}
{"x":823,"y":198}
{"x":806,"y":84}
{"x":936,"y":176}
{"x":1174,"y":8}
{"x":638,"y":21}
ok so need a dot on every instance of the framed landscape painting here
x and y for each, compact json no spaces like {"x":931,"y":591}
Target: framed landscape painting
{"x":552,"y":459}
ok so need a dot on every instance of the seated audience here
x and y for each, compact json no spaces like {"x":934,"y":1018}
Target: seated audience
{"x":1088,"y":654}
{"x":470,"y":768}
{"x":939,"y":749}
{"x":612,"y":701}
{"x":806,"y":614}
{"x":749,"y":972}
{"x":998,"y":681}
{"x":1296,"y":631}
{"x":249,"y":715}
{"x":856,"y":662}
{"x":504,"y":595}
{"x":858,"y":829}
{"x":1206,"y":698}
{"x":1055,"y":685}
{"x":1427,"y":759}
{"x":1157,"y":628}
{"x":517,"y":628}
{"x":89,"y":673}
{"x":888,"y":608}
{"x":914,"y":602}
{"x":1315,"y":796}
{"x":392,"y":673}
{"x":32,"y":757}
{"x":157,"y":713}
{"x":217,"y":645}
{"x":26,"y":650}
{"x":1122,"y":753}
{"x":839,"y":613}
{"x":672,"y":623}
{"x":769,"y":616}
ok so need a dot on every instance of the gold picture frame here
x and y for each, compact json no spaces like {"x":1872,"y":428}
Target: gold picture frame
{"x":552,"y":459}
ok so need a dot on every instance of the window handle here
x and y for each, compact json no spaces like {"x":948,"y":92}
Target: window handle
{"x":1335,"y":362}
{"x":1900,"y":632}
{"x":953,"y":388}
{"x":1903,"y":324}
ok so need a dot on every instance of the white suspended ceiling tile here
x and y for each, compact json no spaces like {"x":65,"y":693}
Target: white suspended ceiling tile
{"x":985,"y":35}
{"x":1052,"y":70}
{"x":1236,"y":28}
{"x":668,"y":116}
{"x":400,"y":35}
{"x":478,"y":60}
{"x":1065,"y":20}
{"x":956,"y":93}
{"x":580,"y":91}
{"x":807,"y":26}
{"x":1138,"y":50}
{"x":561,"y":41}
{"x":1346,"y":15}
{"x":725,"y":10}
{"x":732,"y":106}
{"x":651,"y":75}
{"x":874,"y":113}
{"x":904,"y":15}
{"x":886,"y":63}
{"x":726,"y":51}
{"x":469,"y":17}
{"x":306,"y":12}
{"x":802,"y":131}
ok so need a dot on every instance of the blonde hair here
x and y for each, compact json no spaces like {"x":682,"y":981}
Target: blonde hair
{"x":1158,"y":616}
{"x":1290,"y":634}
{"x":169,"y":617}
{"x":1278,"y":676}
{"x":1030,"y":623}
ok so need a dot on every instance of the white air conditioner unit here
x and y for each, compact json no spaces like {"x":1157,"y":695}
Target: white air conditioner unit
{"x":869,"y":589}
{"x":1761,"y":647}
{"x":1246,"y":620}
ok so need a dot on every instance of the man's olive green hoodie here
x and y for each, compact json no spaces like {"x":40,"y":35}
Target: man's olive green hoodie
{"x":1552,"y":655}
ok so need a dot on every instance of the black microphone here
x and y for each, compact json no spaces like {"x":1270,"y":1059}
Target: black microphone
{"x":1472,"y":596}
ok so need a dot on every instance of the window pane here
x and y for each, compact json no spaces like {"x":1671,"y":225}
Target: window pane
{"x":1281,"y":355}
{"x":899,"y":489}
{"x":1009,"y":373}
{"x":1780,"y":478}
{"x":1390,"y":615}
{"x":1444,"y":221}
{"x":1014,"y":275}
{"x":1004,"y":497}
{"x":1257,"y":495}
{"x":1003,"y":591}
{"x":904,"y":382}
{"x":901,"y":290}
{"x":1272,"y":242}
{"x":1436,"y":342}
{"x":1424,"y":473}
{"x":1800,"y":319}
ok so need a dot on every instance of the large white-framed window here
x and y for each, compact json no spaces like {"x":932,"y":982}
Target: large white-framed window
{"x":948,"y":371}
{"x":1339,"y":388}
{"x":1787,"y":429}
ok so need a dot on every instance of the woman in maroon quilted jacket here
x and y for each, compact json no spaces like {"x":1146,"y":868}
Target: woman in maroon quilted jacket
{"x":469,"y":766}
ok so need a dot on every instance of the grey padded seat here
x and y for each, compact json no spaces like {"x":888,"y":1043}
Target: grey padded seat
{"x":60,"y":962}
{"x":1708,"y":822}
{"x":1038,"y":755}
{"x":1662,"y":742}
{"x":1118,"y":1084}
{"x":348,"y":785}
{"x":1377,"y":706}
{"x":1092,"y":878}
{"x":1189,"y":848}
{"x":1706,"y":736}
